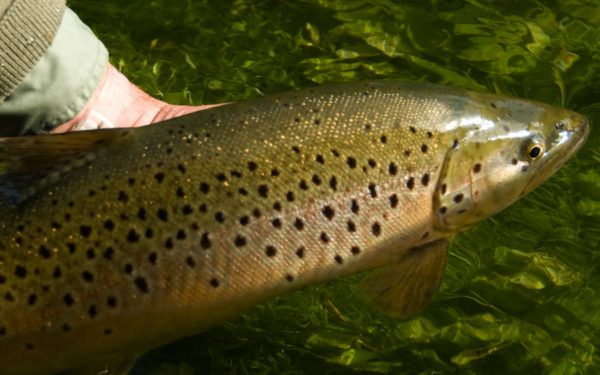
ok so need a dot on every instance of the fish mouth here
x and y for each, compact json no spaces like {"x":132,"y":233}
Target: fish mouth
{"x":572,"y":141}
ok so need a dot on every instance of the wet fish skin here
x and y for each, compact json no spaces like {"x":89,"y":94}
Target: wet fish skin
{"x":119,"y":241}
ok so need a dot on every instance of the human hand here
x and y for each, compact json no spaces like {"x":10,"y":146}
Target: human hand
{"x":119,"y":103}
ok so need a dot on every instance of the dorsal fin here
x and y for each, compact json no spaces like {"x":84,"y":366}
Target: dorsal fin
{"x":30,"y":163}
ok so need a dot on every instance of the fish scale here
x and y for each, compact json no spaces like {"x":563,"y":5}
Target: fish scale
{"x":118,"y":241}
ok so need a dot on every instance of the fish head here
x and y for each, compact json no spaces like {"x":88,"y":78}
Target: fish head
{"x":502,"y":149}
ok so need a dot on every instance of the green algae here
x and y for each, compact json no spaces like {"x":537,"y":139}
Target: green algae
{"x":520,"y":294}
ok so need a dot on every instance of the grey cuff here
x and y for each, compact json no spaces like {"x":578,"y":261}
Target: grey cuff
{"x":60,"y":84}
{"x":27,"y":28}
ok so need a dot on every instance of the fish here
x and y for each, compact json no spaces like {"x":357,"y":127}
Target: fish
{"x":117,"y":241}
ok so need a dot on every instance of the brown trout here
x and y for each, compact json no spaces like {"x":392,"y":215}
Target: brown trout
{"x":114,"y":242}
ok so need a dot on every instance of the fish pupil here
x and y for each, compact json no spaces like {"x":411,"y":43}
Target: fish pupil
{"x":535,"y":152}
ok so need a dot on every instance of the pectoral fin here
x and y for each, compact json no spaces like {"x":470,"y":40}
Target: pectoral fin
{"x":405,"y":288}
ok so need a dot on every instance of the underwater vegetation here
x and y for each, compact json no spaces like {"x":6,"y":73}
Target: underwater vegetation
{"x":520,"y":293}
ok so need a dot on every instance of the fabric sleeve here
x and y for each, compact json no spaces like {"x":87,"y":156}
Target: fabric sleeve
{"x":27,"y":28}
{"x":59,"y":85}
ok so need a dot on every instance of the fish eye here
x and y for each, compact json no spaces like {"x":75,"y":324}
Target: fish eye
{"x":535,"y":151}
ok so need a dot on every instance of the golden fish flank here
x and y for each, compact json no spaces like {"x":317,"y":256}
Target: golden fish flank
{"x":118,"y":241}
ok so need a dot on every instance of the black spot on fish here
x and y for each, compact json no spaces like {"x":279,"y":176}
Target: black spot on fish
{"x":458,"y":198}
{"x":351,"y":162}
{"x":289,"y":196}
{"x":141,"y":284}
{"x":351,"y":226}
{"x":122,"y":197}
{"x":252,"y":166}
{"x":316,"y":180}
{"x":328,"y":212}
{"x":333,"y":183}
{"x":477,"y":168}
{"x":443,"y":210}
{"x":274,"y":172}
{"x":354,"y":206}
{"x":455,"y":143}
{"x":410,"y":183}
{"x":92,"y":311}
{"x":263,"y":191}
{"x":244,"y":220}
{"x":214,"y":283}
{"x":149,"y":233}
{"x":68,"y":299}
{"x":424,"y":148}
{"x":383,"y":139}
{"x":204,"y":187}
{"x":303,"y":185}
{"x":276,"y":223}
{"x":271,"y":251}
{"x":187,"y":209}
{"x":300,"y":252}
{"x":190,"y":262}
{"x":181,"y":235}
{"x":299,"y":224}
{"x":394,"y":200}
{"x":240,"y":241}
{"x":372,"y":163}
{"x":514,"y":161}
{"x":87,"y":276}
{"x":289,"y":278}
{"x":406,"y":153}
{"x":373,"y":190}
{"x":324,"y":238}
{"x":319,"y":158}
{"x":180,"y":192}
{"x":162,"y":214}
{"x":277,"y":206}
{"x":31,"y":300}
{"x":85,"y":230}
{"x":111,"y":301}
{"x":90,"y":253}
{"x":236,"y":174}
{"x":243,"y":191}
{"x":335,"y":152}
{"x":393,"y":169}
{"x":355,"y":250}
{"x":132,"y":236}
{"x":425,"y":179}
{"x":338,"y":259}
{"x":109,"y":225}
{"x":376,"y":228}
{"x":169,"y":243}
{"x":220,"y":217}
{"x":159,"y":177}
{"x":108,"y":253}
{"x":412,"y":129}
{"x":20,"y":271}
{"x":205,"y":241}
{"x":44,"y":252}
{"x":152,"y":258}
